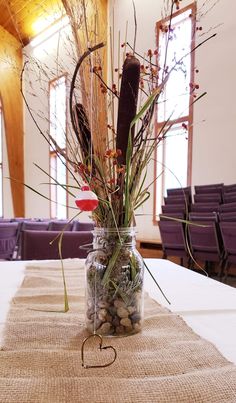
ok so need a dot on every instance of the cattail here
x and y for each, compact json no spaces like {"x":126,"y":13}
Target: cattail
{"x":127,"y":104}
{"x":82,"y":131}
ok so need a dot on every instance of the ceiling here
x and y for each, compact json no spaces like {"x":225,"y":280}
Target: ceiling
{"x":26,"y":18}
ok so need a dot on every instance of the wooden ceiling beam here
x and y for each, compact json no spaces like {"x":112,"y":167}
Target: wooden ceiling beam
{"x":18,"y":16}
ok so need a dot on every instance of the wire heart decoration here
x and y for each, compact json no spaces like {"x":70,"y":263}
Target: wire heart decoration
{"x":101,"y":347}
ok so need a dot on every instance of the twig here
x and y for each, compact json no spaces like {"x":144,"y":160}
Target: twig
{"x":135,"y":25}
{"x":156,"y":282}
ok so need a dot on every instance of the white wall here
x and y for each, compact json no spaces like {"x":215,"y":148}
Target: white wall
{"x":214,"y":140}
{"x":49,"y":60}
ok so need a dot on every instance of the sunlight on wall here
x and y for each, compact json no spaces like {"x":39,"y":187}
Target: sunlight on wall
{"x":49,"y":31}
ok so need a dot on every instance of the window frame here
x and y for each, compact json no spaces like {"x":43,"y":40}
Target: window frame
{"x":189,"y":118}
{"x":52,"y":153}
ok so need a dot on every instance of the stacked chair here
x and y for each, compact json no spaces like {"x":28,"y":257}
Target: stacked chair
{"x":207,"y":198}
{"x":209,"y":236}
{"x":40,"y":245}
{"x":41,"y":242}
{"x":26,"y":239}
{"x":60,"y":225}
{"x":227,"y":222}
{"x":171,"y":225}
{"x":205,"y":239}
{"x":8,"y":238}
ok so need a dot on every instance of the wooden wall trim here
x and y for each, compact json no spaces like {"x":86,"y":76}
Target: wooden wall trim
{"x":12,"y":106}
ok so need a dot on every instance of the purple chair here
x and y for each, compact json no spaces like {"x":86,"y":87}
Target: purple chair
{"x":8,"y":238}
{"x":228,"y":207}
{"x":173,"y":208}
{"x":228,"y":231}
{"x":30,"y":225}
{"x":204,"y":207}
{"x":60,"y":225}
{"x":207,"y":198}
{"x":205,"y":244}
{"x":22,"y":219}
{"x":83,"y":226}
{"x":229,"y":197}
{"x":229,"y":188}
{"x":203,"y":217}
{"x":214,"y":188}
{"x":181,"y":199}
{"x":228,"y":216}
{"x":34,"y":225}
{"x":36,"y":245}
{"x":5,"y":220}
{"x":171,"y":215}
{"x":173,"y":239}
{"x":187,"y":192}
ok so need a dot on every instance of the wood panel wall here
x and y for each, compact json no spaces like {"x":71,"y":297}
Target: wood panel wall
{"x":12,"y":105}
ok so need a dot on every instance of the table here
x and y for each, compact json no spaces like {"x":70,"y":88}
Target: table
{"x":206,"y":305}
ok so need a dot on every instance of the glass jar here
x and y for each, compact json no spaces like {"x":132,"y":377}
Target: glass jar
{"x":114,"y":283}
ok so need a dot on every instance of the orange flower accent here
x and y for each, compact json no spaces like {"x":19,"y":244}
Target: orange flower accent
{"x":120,"y":170}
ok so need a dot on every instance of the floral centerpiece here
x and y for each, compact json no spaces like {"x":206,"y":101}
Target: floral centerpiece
{"x":115,"y":141}
{"x":115,"y":171}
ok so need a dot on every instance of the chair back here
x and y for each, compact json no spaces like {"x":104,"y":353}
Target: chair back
{"x":181,"y":199}
{"x":229,"y":197}
{"x":169,"y":216}
{"x":8,"y":238}
{"x":214,"y":188}
{"x":34,"y":225}
{"x":38,"y":245}
{"x":228,"y":207}
{"x":173,"y":208}
{"x":60,"y":225}
{"x":228,"y":216}
{"x":204,"y":242}
{"x":229,"y":188}
{"x":228,"y":231}
{"x":203,"y":217}
{"x":83,"y":226}
{"x":187,"y":192}
{"x":173,"y":238}
{"x":205,"y":207}
{"x":207,"y":198}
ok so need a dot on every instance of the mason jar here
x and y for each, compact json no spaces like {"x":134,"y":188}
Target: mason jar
{"x":114,"y":283}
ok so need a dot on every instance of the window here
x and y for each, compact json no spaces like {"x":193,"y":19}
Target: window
{"x":57,"y":99}
{"x":1,"y":187}
{"x":173,"y":155}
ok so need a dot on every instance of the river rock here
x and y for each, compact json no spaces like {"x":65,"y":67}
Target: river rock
{"x":103,"y":304}
{"x":131,"y":309}
{"x":122,"y":312}
{"x":116,"y":321}
{"x":102,"y":314}
{"x":135,"y":317}
{"x":105,"y":328}
{"x":118,"y":303}
{"x":126,"y":322}
{"x":120,"y":329}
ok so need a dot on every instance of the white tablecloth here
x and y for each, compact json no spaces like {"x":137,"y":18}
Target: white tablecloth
{"x":206,"y":305}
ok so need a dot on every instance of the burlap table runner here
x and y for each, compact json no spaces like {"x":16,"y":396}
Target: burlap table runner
{"x":40,"y":359}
